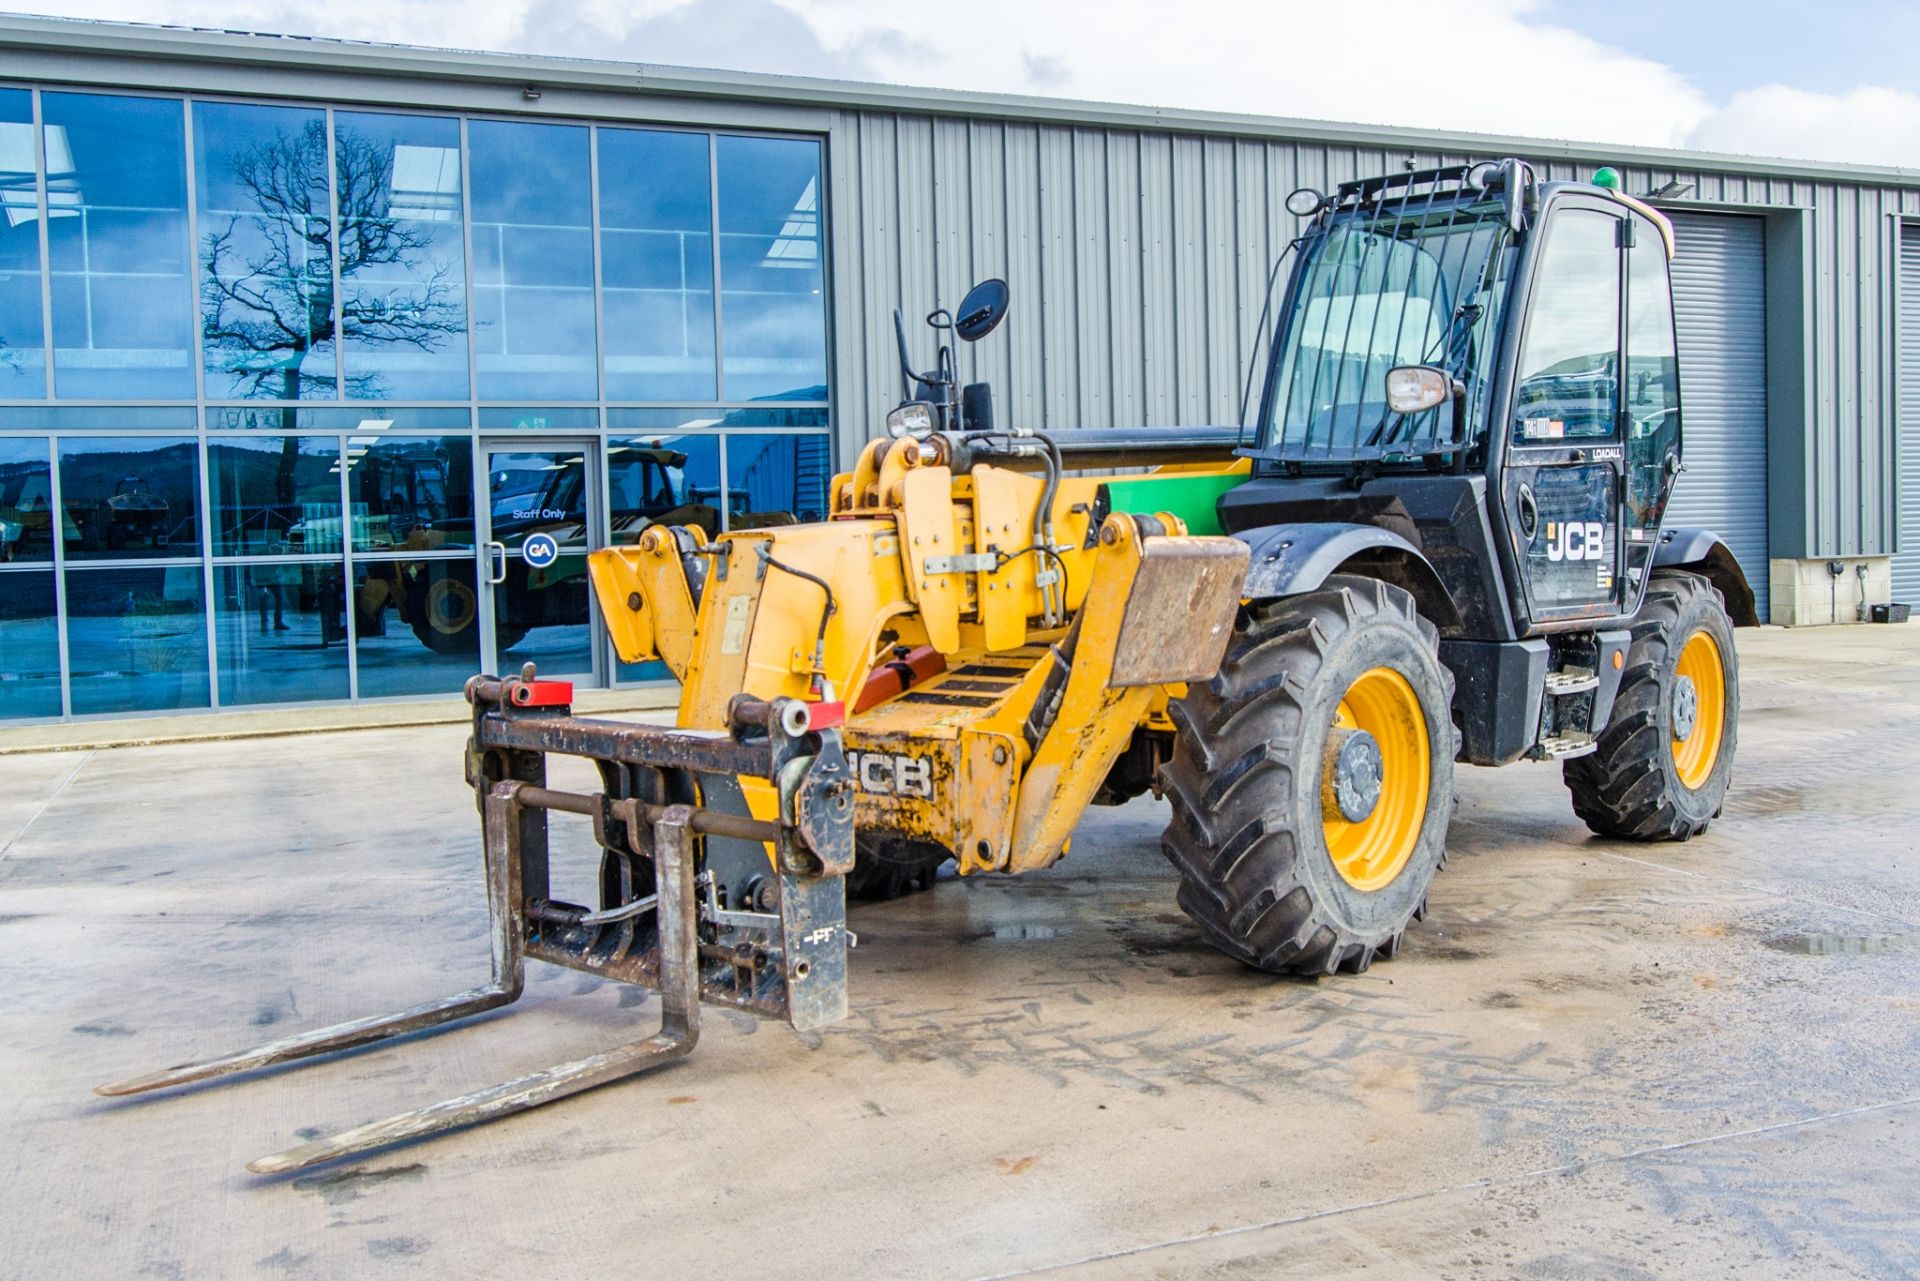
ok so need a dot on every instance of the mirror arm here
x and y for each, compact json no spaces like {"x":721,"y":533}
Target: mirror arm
{"x":1459,"y":427}
{"x":907,"y":376}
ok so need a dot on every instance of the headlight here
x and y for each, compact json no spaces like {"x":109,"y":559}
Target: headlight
{"x":915,"y":419}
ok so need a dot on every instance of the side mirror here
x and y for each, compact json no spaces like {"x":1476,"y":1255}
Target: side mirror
{"x":1414,"y":389}
{"x":982,"y":310}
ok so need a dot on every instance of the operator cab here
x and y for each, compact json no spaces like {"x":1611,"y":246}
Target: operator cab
{"x":1483,"y":363}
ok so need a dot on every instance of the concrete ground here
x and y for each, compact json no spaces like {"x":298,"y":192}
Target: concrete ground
{"x":1593,"y":1060}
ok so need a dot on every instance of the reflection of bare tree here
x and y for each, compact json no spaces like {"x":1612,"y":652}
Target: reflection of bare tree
{"x":266,"y":293}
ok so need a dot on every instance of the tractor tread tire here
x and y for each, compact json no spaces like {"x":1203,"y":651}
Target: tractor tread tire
{"x":890,"y":867}
{"x":1627,"y":787}
{"x":1235,"y":771}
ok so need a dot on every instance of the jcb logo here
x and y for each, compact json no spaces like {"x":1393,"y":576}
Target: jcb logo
{"x":884,"y":774}
{"x":1576,"y":540}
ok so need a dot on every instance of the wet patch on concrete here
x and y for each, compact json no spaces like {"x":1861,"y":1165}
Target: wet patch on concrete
{"x":341,"y":1186}
{"x":397,"y":1247}
{"x":1838,"y":944}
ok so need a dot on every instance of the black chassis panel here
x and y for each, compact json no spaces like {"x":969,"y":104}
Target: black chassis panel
{"x":1444,"y":517}
{"x":1498,"y":689}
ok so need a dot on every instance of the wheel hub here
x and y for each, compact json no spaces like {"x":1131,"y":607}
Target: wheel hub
{"x":1356,"y":773}
{"x":1686,"y":707}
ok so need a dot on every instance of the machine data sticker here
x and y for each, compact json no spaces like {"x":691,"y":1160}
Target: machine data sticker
{"x":1543,"y":428}
{"x":733,"y":638}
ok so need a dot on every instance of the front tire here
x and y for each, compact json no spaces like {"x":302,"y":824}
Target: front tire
{"x":1301,"y":848}
{"x":886,"y":866}
{"x":1662,"y":766}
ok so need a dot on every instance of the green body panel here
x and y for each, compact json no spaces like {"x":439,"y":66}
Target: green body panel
{"x":1192,"y":498}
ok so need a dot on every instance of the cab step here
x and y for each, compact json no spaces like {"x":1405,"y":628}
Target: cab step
{"x":1560,"y":747}
{"x":1572,"y":680}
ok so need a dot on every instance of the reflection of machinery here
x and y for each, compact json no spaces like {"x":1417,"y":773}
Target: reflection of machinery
{"x":406,"y":497}
{"x":647,"y":485}
{"x":133,"y":519}
{"x":26,"y":512}
{"x":530,"y":495}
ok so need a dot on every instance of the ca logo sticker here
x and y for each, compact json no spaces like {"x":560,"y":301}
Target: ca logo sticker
{"x":1576,"y":540}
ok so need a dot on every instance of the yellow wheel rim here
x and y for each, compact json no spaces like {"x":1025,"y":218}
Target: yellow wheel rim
{"x":1369,"y":853}
{"x":1695,"y":753}
{"x":450,"y":606}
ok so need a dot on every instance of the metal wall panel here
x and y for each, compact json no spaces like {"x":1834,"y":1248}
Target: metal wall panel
{"x":1138,"y":258}
{"x":1719,"y":301}
{"x":1906,"y":561}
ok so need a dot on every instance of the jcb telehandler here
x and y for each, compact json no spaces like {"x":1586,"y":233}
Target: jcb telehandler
{"x":1441,"y":542}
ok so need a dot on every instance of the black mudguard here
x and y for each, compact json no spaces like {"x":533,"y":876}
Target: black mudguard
{"x":1287,"y":560}
{"x":1702,"y":552}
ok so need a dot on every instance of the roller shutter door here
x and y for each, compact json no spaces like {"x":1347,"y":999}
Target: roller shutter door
{"x":1906,"y":562}
{"x":1720,"y":314}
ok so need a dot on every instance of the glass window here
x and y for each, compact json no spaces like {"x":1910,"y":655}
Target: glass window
{"x":417,"y":626}
{"x":409,"y":493}
{"x":1376,"y":294}
{"x":117,"y":228}
{"x":26,"y":501}
{"x":365,"y":418}
{"x":662,"y":480}
{"x":29,"y":646}
{"x":403,"y":311}
{"x":266,"y":251}
{"x":532,"y":260}
{"x":130,"y":497}
{"x":656,"y":265}
{"x":90,"y":418}
{"x":777,"y":479}
{"x":136,"y":639}
{"x":535,"y":418}
{"x":772,"y":314}
{"x":274,"y":495}
{"x":22,"y":337}
{"x":1653,"y":378}
{"x":282,"y":631}
{"x":1570,"y":358}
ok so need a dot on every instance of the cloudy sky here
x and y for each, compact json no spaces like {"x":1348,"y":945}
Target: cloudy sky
{"x":1837,"y":80}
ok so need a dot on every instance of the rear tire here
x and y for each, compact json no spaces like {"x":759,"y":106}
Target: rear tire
{"x":1644,"y":782}
{"x":1255,"y":822}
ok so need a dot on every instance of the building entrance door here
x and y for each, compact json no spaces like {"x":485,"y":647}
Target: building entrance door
{"x":543,"y":513}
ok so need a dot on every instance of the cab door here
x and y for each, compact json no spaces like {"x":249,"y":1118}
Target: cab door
{"x":1564,"y":477}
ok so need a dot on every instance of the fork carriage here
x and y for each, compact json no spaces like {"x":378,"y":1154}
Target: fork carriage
{"x":668,"y":799}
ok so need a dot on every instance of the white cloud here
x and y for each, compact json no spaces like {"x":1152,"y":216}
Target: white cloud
{"x":1489,"y":66}
{"x":1868,"y":125}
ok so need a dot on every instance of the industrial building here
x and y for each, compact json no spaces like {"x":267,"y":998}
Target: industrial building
{"x":275,"y":311}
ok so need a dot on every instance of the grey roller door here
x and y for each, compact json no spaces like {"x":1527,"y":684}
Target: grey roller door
{"x":1906,"y":562}
{"x":1720,"y":313}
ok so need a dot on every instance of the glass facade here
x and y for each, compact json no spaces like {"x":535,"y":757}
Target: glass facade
{"x":258,"y":359}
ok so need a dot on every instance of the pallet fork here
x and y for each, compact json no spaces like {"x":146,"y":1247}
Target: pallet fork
{"x":669,"y":798}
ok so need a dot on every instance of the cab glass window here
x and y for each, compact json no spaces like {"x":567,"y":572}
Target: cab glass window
{"x":1653,"y":378}
{"x":1569,"y":370}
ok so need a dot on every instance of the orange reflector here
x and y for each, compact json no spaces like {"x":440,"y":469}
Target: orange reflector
{"x":1619,"y":660}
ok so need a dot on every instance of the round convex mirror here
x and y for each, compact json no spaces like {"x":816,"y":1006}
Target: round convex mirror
{"x":981,"y":311}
